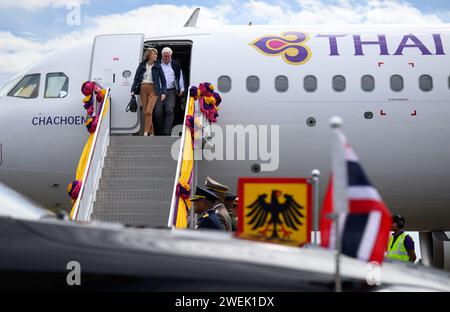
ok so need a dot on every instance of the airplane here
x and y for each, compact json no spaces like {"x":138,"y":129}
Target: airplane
{"x":389,"y":83}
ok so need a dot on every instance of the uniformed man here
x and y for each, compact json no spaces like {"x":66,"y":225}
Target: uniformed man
{"x":220,"y":190}
{"x":229,"y":203}
{"x":234,"y":211}
{"x":204,"y":206}
{"x":401,"y":245}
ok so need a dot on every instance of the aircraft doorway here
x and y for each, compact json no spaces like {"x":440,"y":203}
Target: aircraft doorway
{"x":182,"y":50}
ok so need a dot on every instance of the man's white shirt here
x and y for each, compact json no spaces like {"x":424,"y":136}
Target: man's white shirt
{"x":170,"y":76}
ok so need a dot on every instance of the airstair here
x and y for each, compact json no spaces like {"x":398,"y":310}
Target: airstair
{"x":137,"y":181}
{"x":133,"y":180}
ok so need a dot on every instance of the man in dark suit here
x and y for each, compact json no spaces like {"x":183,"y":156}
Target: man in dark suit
{"x":165,"y":110}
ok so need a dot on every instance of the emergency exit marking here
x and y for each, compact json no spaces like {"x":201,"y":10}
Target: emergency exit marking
{"x":412,"y":64}
{"x":414,"y":113}
{"x":380,"y":63}
{"x":382,"y":113}
{"x":115,"y":58}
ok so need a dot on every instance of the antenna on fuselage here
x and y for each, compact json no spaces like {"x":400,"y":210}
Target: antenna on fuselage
{"x":192,"y":21}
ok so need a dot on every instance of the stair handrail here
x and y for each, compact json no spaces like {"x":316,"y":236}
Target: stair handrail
{"x":82,"y":207}
{"x":173,"y":205}
{"x":198,"y":118}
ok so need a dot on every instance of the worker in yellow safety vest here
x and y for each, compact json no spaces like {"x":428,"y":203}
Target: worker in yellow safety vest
{"x":401,"y":245}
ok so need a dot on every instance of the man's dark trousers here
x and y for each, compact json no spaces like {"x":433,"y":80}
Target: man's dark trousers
{"x":164,"y":112}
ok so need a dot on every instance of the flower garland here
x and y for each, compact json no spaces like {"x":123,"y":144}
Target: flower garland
{"x":92,"y":92}
{"x":91,"y":124}
{"x":183,"y":190}
{"x":209,"y":101}
{"x":73,"y":189}
{"x":190,"y":124}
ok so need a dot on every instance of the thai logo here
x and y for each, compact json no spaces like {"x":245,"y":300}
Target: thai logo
{"x":290,"y":45}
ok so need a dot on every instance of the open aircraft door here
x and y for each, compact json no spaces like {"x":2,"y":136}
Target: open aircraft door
{"x":114,"y":61}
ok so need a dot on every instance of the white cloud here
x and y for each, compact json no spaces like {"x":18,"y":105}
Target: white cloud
{"x":340,"y":12}
{"x":17,"y":52}
{"x":154,"y":17}
{"x":39,"y":4}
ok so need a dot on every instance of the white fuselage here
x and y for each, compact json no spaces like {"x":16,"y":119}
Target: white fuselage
{"x":403,"y":147}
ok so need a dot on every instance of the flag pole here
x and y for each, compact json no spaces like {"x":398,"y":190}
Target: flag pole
{"x":315,"y":183}
{"x":338,"y":282}
{"x":336,"y":124}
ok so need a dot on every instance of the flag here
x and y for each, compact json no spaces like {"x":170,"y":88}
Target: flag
{"x":364,"y":220}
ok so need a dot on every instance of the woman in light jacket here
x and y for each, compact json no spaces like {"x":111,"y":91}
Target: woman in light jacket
{"x":150,"y":83}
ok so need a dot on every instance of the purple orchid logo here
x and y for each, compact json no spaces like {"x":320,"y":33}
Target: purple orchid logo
{"x":290,"y":45}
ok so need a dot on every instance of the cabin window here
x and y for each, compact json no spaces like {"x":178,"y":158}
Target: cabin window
{"x":310,"y":83}
{"x":56,"y":85}
{"x":367,"y":83}
{"x":426,"y":83}
{"x":252,"y":84}
{"x":281,"y":83}
{"x":338,"y":83}
{"x":224,"y":84}
{"x":396,"y":83}
{"x":28,"y":87}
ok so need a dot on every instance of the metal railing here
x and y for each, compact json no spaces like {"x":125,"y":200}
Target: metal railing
{"x":172,"y":218}
{"x":83,"y":206}
{"x":204,"y":127}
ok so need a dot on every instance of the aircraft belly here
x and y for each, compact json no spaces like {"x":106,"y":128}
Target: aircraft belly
{"x":48,"y":189}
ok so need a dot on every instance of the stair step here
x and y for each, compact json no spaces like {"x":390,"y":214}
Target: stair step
{"x":153,"y":214}
{"x":155,"y":221}
{"x":142,"y":141}
{"x":135,"y":183}
{"x":146,"y":195}
{"x":127,"y":206}
{"x":139,"y":161}
{"x":134,"y":161}
{"x":122,"y":212}
{"x":138,"y":151}
{"x":137,"y":173}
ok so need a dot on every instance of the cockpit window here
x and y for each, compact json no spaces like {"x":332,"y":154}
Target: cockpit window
{"x":8,"y":86}
{"x":27,"y":88}
{"x":56,"y":85}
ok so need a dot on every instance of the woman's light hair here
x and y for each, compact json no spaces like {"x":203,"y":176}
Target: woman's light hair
{"x":167,"y":50}
{"x":147,"y":53}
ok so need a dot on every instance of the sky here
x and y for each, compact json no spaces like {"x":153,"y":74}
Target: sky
{"x":30,"y":29}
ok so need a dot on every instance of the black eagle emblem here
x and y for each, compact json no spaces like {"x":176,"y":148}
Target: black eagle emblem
{"x":261,"y":210}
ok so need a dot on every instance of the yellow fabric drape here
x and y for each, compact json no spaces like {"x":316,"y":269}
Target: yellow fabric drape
{"x":81,"y":168}
{"x":84,"y":157}
{"x":82,"y":163}
{"x":187,"y":165}
{"x":191,"y":106}
{"x":182,"y":216}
